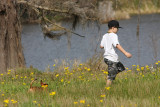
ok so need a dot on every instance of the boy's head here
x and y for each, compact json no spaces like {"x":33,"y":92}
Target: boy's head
{"x":113,"y":23}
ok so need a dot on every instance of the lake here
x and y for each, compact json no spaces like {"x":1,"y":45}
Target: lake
{"x":41,"y":52}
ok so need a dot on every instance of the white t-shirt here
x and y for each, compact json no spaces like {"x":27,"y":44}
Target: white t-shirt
{"x":109,"y":41}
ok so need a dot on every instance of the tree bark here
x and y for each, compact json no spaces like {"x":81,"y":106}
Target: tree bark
{"x":11,"y":54}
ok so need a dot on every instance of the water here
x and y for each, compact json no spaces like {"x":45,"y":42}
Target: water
{"x":40,"y":52}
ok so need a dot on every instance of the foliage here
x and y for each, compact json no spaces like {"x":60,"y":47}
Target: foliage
{"x":87,"y":9}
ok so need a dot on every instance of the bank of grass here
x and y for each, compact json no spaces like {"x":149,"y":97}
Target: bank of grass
{"x":134,"y":6}
{"x":126,"y":8}
{"x":81,"y":86}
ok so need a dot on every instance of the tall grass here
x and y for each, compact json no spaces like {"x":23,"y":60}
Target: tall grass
{"x":82,"y":85}
{"x":131,"y":6}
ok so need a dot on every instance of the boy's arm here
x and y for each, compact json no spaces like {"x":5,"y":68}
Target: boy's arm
{"x":128,"y":55}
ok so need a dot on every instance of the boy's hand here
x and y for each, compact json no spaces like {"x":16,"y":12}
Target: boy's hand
{"x":128,"y":55}
{"x":101,"y":47}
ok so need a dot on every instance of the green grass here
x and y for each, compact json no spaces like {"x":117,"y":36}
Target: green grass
{"x":81,"y":86}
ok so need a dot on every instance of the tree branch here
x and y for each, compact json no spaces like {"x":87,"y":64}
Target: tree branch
{"x":43,"y":8}
{"x":62,"y":27}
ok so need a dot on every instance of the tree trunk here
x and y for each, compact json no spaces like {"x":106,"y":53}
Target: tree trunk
{"x":11,"y":54}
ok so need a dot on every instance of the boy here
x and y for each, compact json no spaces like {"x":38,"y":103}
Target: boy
{"x":108,"y":42}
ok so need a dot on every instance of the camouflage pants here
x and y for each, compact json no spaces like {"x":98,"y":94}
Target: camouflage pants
{"x":112,"y":69}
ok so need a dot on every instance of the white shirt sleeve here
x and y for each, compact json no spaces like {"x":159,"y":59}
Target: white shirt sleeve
{"x":102,"y":42}
{"x":115,"y":40}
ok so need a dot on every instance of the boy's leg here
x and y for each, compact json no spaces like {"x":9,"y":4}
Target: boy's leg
{"x":108,"y":83}
{"x":112,"y":72}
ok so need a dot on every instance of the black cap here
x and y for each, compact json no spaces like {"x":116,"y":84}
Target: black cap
{"x":113,"y":23}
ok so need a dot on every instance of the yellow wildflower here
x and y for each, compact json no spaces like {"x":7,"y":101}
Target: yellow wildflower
{"x":105,"y":72}
{"x":101,"y":101}
{"x":8,"y":73}
{"x":13,"y":101}
{"x":75,"y":102}
{"x":1,"y":74}
{"x":52,"y":93}
{"x":57,"y":75}
{"x":82,"y":101}
{"x":69,"y":82}
{"x":147,"y":68}
{"x":62,"y":80}
{"x":34,"y":101}
{"x":2,"y":94}
{"x":66,"y":73}
{"x":142,"y":68}
{"x":71,"y":73}
{"x":156,"y":63}
{"x":24,"y":83}
{"x":85,"y":68}
{"x":6,"y":101}
{"x":44,"y":86}
{"x":107,"y":88}
{"x":88,"y":69}
{"x":54,"y":65}
{"x":103,"y":95}
{"x":80,"y":64}
{"x":66,"y":68}
{"x":9,"y":70}
{"x":80,"y":77}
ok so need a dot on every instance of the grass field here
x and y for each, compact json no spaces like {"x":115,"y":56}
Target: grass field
{"x":82,"y":85}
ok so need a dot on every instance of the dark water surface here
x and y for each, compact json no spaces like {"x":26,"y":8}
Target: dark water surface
{"x":41,"y":52}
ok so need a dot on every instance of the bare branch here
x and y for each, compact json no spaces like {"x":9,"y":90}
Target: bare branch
{"x":62,"y":27}
{"x":41,"y":7}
